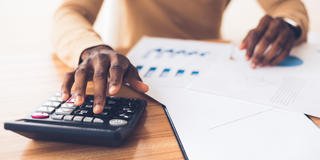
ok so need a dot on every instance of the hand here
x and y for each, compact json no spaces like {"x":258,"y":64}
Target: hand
{"x":107,"y":69}
{"x":269,"y":43}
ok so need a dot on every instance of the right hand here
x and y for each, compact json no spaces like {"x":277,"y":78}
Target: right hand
{"x":108,"y":69}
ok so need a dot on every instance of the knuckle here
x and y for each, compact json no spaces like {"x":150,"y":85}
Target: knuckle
{"x":280,"y":44}
{"x":78,"y":90}
{"x":81,"y":70}
{"x":120,"y":59}
{"x":266,"y":18}
{"x":101,"y":56}
{"x":117,"y":67}
{"x":99,"y":99}
{"x":267,"y":39}
{"x":276,"y":22}
{"x":252,"y":35}
{"x":69,"y":74}
{"x":115,"y":82}
{"x":255,"y":34}
{"x":252,"y":32}
{"x":100,"y":74}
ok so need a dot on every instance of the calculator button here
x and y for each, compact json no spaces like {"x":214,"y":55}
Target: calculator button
{"x":68,"y":117}
{"x":87,"y":119}
{"x":56,"y":116}
{"x":87,"y":106}
{"x":128,"y":110}
{"x":51,"y":104}
{"x":110,"y":102}
{"x":68,"y":105}
{"x":123,"y":115}
{"x":117,"y":122}
{"x":55,"y":98}
{"x":82,"y":112}
{"x":40,"y":115}
{"x":64,"y":111}
{"x":98,"y":120}
{"x":45,"y":109}
{"x":104,"y":113}
{"x":78,"y":118}
{"x":91,"y":101}
{"x":107,"y":107}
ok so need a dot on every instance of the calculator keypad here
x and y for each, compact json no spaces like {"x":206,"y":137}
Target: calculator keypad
{"x":116,"y":113}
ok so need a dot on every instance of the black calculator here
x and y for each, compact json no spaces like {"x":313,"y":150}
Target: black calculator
{"x":59,"y":120}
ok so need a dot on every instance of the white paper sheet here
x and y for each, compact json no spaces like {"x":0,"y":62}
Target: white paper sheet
{"x":274,"y":134}
{"x":292,"y":85}
{"x":204,"y":109}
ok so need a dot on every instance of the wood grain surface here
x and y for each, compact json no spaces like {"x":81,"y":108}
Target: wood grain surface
{"x":26,"y":84}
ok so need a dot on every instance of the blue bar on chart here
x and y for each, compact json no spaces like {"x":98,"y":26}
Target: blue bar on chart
{"x":155,"y":51}
{"x":203,"y":54}
{"x":192,"y":53}
{"x":194,"y":73}
{"x":150,"y":71}
{"x":179,"y":73}
{"x":139,"y":67}
{"x":165,"y":72}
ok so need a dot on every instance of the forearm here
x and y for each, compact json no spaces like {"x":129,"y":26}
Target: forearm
{"x":73,"y":29}
{"x":293,"y":9}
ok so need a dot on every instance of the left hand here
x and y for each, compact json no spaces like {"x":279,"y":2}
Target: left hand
{"x":269,"y":43}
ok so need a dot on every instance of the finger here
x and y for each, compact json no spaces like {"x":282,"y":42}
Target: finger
{"x":100,"y":82}
{"x":67,"y":85}
{"x":284,"y":54}
{"x":133,"y":79}
{"x":254,"y":36}
{"x":269,"y":36}
{"x":242,"y":46}
{"x":119,"y":65}
{"x":80,"y":84}
{"x":275,"y":49}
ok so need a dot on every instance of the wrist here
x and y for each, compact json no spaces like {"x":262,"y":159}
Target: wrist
{"x":293,"y":26}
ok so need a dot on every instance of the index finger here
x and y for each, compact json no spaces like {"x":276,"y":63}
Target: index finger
{"x":100,"y":85}
{"x":67,"y":85}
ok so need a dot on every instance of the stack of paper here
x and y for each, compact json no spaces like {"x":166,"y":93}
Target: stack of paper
{"x":222,"y":109}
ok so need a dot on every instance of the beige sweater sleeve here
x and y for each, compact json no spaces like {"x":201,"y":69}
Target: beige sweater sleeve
{"x":73,"y":29}
{"x":293,"y":9}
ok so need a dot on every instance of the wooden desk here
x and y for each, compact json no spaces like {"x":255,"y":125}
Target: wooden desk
{"x":27,"y":80}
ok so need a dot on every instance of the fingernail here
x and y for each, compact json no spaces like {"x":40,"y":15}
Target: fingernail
{"x":97,"y":108}
{"x":241,"y":46}
{"x":144,"y":86}
{"x":64,"y":97}
{"x":77,"y":100}
{"x":112,"y":90}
